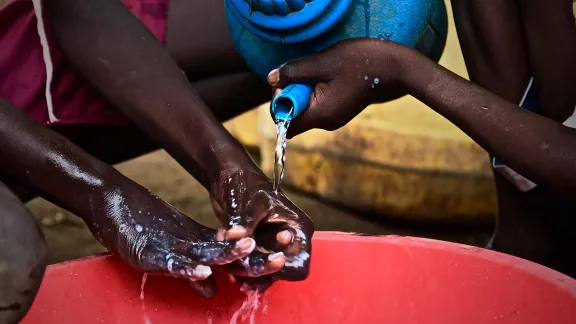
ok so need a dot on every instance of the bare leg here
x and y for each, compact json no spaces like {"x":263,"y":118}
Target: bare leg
{"x":551,"y":43}
{"x":22,"y":257}
{"x":494,"y":45}
{"x":199,"y":40}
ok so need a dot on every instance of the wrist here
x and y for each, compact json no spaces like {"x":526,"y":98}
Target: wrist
{"x":414,"y":72}
{"x":218,"y":158}
{"x":395,"y":64}
{"x":88,"y":200}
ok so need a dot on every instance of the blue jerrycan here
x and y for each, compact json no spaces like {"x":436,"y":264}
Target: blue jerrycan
{"x":268,"y":33}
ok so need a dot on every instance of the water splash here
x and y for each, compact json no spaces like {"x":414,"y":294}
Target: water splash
{"x":280,"y":153}
{"x":144,"y":313}
{"x":249,"y":307}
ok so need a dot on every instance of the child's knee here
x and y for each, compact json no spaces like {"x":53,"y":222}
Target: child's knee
{"x":22,"y":257}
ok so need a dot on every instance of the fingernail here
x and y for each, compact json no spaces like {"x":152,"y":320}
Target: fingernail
{"x":246,"y":244}
{"x":284,"y":237}
{"x":202,"y":271}
{"x":275,"y":256}
{"x":236,"y":232}
{"x":221,"y":234}
{"x":274,"y":77}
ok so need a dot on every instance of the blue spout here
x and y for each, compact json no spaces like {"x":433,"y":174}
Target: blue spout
{"x":291,"y":102}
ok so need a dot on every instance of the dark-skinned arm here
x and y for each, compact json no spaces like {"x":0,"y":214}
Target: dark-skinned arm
{"x":146,"y":232}
{"x":41,"y":159}
{"x":537,"y":147}
{"x":125,"y":62}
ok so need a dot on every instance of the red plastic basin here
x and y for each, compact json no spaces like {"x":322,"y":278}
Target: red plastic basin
{"x":354,"y":279}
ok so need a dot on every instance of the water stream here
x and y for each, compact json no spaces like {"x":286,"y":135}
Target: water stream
{"x":144,"y":313}
{"x":280,"y":153}
{"x":249,"y":307}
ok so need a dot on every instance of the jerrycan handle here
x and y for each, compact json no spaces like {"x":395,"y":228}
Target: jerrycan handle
{"x":291,"y":102}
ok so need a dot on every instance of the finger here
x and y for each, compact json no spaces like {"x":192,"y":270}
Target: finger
{"x":205,"y":288}
{"x":246,"y":208}
{"x":182,"y":267}
{"x":216,"y":253}
{"x":314,"y":117}
{"x":309,"y":69}
{"x":258,"y":209}
{"x":298,"y":257}
{"x":221,"y":234}
{"x":298,"y":252}
{"x":273,"y":236}
{"x":260,"y":284}
{"x":218,"y":210}
{"x":296,"y":267}
{"x":276,"y":92}
{"x":284,"y":238}
{"x":325,"y":101}
{"x":256,"y":265}
{"x":236,"y":232}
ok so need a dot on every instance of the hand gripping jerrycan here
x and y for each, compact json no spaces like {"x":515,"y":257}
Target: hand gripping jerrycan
{"x":268,"y":33}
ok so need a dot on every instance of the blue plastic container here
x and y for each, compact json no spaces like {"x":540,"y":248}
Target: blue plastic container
{"x":269,"y":33}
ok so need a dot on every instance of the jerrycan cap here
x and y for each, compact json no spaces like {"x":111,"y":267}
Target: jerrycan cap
{"x":288,"y":21}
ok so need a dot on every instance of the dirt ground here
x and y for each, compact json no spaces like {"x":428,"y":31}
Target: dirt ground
{"x":68,"y":237}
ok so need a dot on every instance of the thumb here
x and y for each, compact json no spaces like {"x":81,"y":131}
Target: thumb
{"x":309,"y":69}
{"x":318,"y":114}
{"x":206,"y":288}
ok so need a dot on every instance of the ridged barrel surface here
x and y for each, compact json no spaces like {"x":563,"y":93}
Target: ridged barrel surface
{"x":268,"y":37}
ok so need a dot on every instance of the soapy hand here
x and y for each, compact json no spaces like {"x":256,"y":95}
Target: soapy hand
{"x":348,"y":76}
{"x":248,"y":206}
{"x":156,"y":238}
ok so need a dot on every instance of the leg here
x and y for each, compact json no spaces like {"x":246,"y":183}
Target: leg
{"x":493,"y":45}
{"x":22,"y":258}
{"x":551,"y":40}
{"x":497,"y":56}
{"x":198,"y":39}
{"x":521,"y":230}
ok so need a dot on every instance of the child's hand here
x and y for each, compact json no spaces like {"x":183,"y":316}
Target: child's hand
{"x":247,"y":205}
{"x":156,"y":238}
{"x":348,"y":76}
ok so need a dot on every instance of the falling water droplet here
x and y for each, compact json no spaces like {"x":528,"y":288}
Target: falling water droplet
{"x":145,"y":314}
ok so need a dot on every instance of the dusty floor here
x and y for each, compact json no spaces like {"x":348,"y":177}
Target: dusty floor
{"x":69,"y":238}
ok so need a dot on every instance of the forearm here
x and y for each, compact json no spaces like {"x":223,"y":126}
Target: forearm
{"x":537,"y":147}
{"x":134,"y":72}
{"x":43,"y":160}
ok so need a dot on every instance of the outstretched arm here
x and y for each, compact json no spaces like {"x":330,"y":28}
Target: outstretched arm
{"x":128,"y":219}
{"x":126,"y":63}
{"x":539,"y":148}
{"x":117,"y":54}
